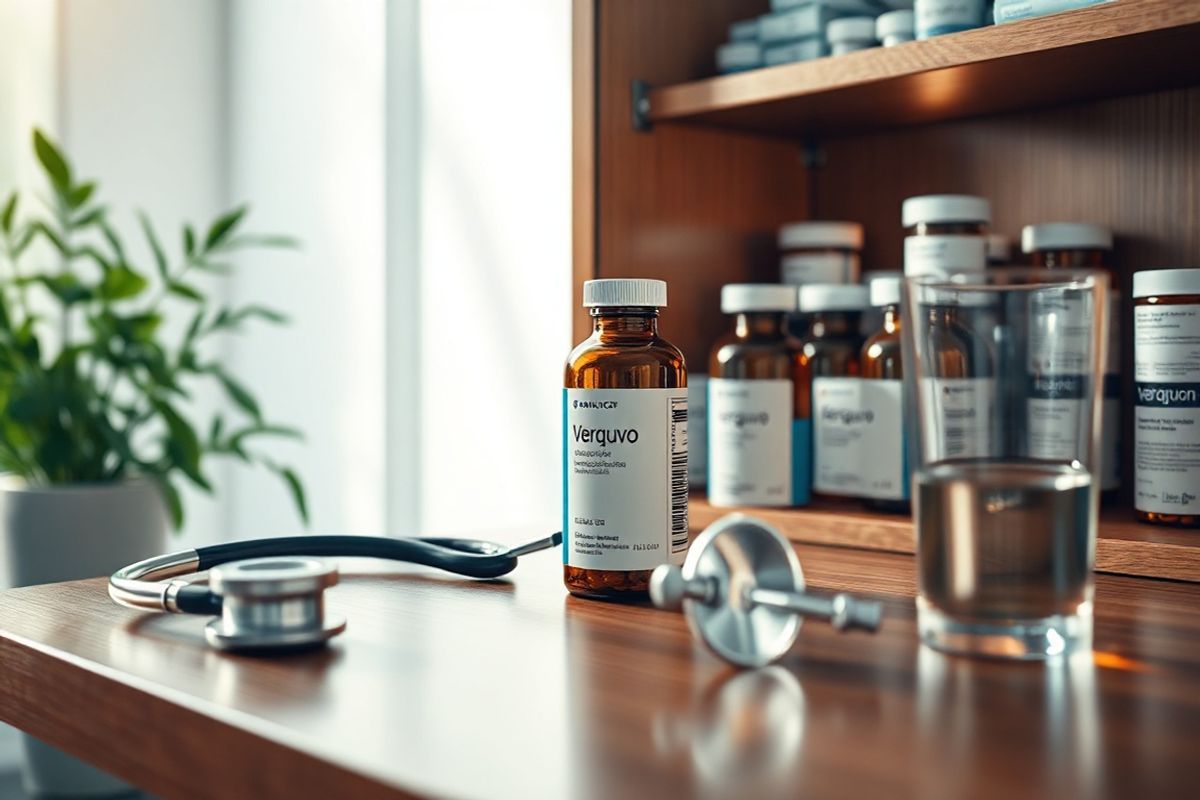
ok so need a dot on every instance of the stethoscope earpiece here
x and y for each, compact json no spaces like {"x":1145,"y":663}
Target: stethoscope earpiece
{"x":742,"y":590}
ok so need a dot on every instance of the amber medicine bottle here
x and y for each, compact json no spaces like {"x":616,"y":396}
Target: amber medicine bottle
{"x":625,"y":447}
{"x":828,"y":355}
{"x":885,"y":470}
{"x":946,"y":234}
{"x":1074,"y":245}
{"x":758,"y":438}
{"x":1166,"y":412}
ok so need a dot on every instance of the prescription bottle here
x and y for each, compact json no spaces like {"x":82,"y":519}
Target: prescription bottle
{"x":625,"y":472}
{"x":820,"y":252}
{"x":758,"y":440}
{"x":884,"y":469}
{"x":1166,"y":412}
{"x":1078,"y":245}
{"x":828,"y":355}
{"x":945,"y":233}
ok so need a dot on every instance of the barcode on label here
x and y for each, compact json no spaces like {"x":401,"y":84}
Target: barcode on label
{"x":679,"y":474}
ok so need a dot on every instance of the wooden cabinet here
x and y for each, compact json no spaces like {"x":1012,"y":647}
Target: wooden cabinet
{"x":1088,"y":115}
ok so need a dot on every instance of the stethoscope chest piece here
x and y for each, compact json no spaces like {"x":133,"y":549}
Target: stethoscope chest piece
{"x":272,"y":604}
{"x":742,"y":590}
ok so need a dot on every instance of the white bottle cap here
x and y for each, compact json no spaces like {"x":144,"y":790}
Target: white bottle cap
{"x":945,"y":208}
{"x":803,"y":235}
{"x":645,"y":292}
{"x":999,"y":249}
{"x":1154,"y":282}
{"x":1065,"y":236}
{"x":738,"y":297}
{"x":896,"y":23}
{"x":851,"y":29}
{"x":885,"y":290}
{"x":833,"y":297}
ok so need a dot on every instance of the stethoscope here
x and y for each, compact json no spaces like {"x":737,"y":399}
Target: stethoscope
{"x":740,"y":586}
{"x":269,"y":594}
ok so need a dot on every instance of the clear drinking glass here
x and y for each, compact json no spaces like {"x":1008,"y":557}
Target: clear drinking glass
{"x":1005,"y":387}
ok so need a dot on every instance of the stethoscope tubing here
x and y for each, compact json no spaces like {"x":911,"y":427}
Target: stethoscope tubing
{"x":145,"y":585}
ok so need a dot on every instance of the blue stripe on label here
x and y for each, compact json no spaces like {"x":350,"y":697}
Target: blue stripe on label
{"x":801,"y":462}
{"x":566,"y":538}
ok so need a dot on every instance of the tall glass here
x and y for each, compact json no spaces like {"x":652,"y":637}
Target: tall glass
{"x":1006,"y":387}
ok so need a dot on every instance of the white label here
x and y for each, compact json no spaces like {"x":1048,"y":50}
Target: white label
{"x":697,"y":429}
{"x":625,"y":457}
{"x":1061,"y":352}
{"x":801,"y":268}
{"x":749,"y":442}
{"x":858,"y":438}
{"x":941,"y":255}
{"x":958,"y":414}
{"x":1166,"y":414}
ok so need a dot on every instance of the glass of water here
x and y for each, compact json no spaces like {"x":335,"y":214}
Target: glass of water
{"x":1004,"y":395}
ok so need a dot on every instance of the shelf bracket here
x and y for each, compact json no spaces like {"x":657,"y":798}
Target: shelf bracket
{"x":639,"y":96}
{"x":812,"y":154}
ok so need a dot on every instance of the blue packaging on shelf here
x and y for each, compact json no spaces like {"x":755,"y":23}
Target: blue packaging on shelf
{"x":938,"y":17}
{"x":802,"y":50}
{"x":808,"y":19}
{"x":1015,"y":10}
{"x":739,"y":57}
{"x":744,"y":30}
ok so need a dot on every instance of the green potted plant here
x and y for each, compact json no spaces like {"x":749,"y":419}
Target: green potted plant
{"x":96,"y":435}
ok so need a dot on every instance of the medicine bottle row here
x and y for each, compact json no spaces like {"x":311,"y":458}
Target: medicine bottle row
{"x":801,"y":398}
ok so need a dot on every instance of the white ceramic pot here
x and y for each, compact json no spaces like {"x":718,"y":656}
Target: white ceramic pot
{"x":65,"y":533}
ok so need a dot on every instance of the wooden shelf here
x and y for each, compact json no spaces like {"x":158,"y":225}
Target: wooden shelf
{"x":1126,"y":47}
{"x":1124,"y":546}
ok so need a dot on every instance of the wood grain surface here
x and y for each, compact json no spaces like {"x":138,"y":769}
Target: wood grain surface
{"x":1102,"y":51}
{"x":450,"y":688}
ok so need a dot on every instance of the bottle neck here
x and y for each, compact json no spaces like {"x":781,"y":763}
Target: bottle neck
{"x":625,"y":322}
{"x":754,"y":324}
{"x":891,"y":319}
{"x":941,"y":314}
{"x":834,"y":323}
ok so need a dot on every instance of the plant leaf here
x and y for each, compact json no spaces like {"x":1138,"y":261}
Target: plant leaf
{"x":114,"y":241}
{"x":10,"y":210}
{"x":52,"y":162}
{"x":238,"y":394}
{"x":295,"y":487}
{"x":121,"y":283}
{"x":265,"y":240}
{"x":223,"y":226}
{"x":189,"y":241}
{"x":160,"y":258}
{"x":173,"y":501}
{"x":185,"y":291}
{"x":89,"y":218}
{"x":80,"y":194}
{"x":66,"y":287}
{"x":52,"y":236}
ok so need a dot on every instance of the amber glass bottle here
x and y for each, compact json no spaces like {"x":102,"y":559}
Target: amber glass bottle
{"x":828,"y":353}
{"x":758,"y":441}
{"x":882,"y":365}
{"x":624,"y":445}
{"x":1080,"y":245}
{"x":1166,"y":411}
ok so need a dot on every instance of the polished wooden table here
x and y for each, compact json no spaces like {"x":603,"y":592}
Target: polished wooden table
{"x":449,"y":688}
